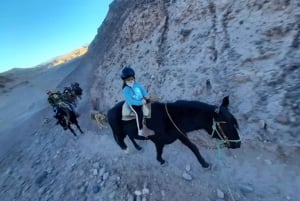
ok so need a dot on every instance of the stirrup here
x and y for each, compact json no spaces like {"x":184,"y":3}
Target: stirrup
{"x":147,"y":132}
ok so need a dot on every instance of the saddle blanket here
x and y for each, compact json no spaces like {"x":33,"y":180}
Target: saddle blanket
{"x":128,"y":114}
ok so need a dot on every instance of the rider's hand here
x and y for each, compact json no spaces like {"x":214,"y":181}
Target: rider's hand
{"x":144,"y":101}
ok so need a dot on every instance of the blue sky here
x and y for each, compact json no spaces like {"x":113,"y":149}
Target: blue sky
{"x":36,"y":31}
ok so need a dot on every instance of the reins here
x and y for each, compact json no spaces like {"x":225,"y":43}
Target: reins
{"x":178,"y":129}
{"x":183,"y":134}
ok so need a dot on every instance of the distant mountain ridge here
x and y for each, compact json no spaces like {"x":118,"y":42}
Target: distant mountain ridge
{"x":69,"y":56}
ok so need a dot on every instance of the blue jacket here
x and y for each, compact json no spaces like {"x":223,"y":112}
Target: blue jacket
{"x":135,"y":94}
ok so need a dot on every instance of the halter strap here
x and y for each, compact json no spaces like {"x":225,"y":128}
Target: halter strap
{"x":221,"y":134}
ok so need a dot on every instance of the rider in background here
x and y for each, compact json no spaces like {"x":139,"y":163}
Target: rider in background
{"x":69,"y":96}
{"x":56,"y":100}
{"x":135,"y":95}
{"x":76,"y":89}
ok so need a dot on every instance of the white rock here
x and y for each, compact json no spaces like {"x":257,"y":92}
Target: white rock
{"x":145,"y":191}
{"x":138,"y":193}
{"x":246,"y":188}
{"x":95,"y":172}
{"x":220,"y":194}
{"x":187,"y":176}
{"x":262,"y":124}
{"x":268,"y":161}
{"x":188,"y":167}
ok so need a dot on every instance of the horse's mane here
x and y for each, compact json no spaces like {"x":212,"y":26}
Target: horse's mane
{"x":192,"y":104}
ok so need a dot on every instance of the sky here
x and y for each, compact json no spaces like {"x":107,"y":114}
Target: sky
{"x":35,"y":31}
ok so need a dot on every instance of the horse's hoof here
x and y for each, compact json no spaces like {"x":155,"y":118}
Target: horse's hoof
{"x":207,"y":166}
{"x":164,"y":164}
{"x":126,"y":151}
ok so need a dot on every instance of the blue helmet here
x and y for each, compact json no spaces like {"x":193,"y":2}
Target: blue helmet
{"x":127,"y":72}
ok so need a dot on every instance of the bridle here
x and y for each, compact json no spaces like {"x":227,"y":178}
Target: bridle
{"x":224,"y":139}
{"x":216,"y":127}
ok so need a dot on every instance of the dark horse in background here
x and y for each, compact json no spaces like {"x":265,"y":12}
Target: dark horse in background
{"x":66,"y":117}
{"x":76,"y":90}
{"x":69,"y":96}
{"x":172,"y":121}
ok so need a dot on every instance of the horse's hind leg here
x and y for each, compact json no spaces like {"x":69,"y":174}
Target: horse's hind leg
{"x":135,"y":144}
{"x":77,"y":125}
{"x":194,"y":149}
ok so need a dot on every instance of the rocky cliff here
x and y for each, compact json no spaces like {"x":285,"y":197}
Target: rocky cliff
{"x":204,"y":50}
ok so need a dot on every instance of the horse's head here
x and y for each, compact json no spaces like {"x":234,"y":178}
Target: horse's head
{"x":225,"y":126}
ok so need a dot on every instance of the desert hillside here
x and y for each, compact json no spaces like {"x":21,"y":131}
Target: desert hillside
{"x":67,"y":57}
{"x":191,"y":50}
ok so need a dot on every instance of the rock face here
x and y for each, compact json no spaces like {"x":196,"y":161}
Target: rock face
{"x":204,"y":50}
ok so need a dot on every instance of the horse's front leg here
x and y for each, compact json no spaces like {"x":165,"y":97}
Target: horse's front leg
{"x":77,"y":125}
{"x":195,"y":150}
{"x":71,"y":129}
{"x":159,"y":151}
{"x":135,"y":144}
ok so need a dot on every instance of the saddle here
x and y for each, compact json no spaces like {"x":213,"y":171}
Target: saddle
{"x":128,"y":114}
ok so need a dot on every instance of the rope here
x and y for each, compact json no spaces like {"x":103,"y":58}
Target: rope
{"x":224,"y":139}
{"x":183,"y":134}
{"x":178,"y":129}
{"x":219,"y":144}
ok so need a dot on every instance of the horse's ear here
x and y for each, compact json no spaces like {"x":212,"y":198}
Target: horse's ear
{"x":225,"y":101}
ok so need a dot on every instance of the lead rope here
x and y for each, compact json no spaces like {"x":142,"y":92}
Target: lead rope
{"x":219,"y":152}
{"x":224,"y":140}
{"x":218,"y":145}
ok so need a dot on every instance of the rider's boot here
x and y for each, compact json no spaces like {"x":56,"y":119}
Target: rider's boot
{"x":147,"y":132}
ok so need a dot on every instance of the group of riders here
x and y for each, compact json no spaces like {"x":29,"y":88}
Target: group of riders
{"x":66,"y":100}
{"x":134,"y":93}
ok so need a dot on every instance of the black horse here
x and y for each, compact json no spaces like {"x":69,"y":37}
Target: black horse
{"x":69,"y":97}
{"x":66,"y":117}
{"x":171,"y":121}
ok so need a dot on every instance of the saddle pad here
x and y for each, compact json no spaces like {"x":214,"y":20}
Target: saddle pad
{"x":128,"y":114}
